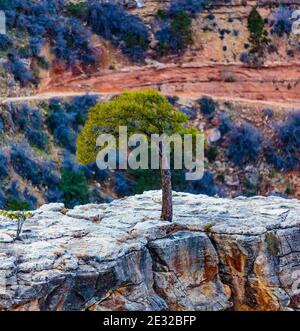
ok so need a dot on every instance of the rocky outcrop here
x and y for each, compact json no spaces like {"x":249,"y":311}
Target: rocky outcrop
{"x":218,"y":254}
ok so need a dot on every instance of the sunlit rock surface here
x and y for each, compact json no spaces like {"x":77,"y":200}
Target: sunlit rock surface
{"x":218,"y":254}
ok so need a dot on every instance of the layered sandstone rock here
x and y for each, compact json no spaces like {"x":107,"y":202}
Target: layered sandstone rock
{"x":218,"y":254}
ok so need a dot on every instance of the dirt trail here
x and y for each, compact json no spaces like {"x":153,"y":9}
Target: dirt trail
{"x":41,"y":96}
{"x":241,"y":101}
{"x":276,"y":83}
{"x":273,"y":85}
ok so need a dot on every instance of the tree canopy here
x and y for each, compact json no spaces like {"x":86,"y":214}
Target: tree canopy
{"x":146,"y":112}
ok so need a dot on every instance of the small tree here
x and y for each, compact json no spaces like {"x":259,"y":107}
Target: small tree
{"x":256,"y":27}
{"x":19,"y":216}
{"x":145,"y":112}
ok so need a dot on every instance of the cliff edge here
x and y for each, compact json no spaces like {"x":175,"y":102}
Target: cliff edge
{"x":218,"y":254}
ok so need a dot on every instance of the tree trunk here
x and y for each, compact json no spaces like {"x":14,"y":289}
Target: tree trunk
{"x":167,"y":203}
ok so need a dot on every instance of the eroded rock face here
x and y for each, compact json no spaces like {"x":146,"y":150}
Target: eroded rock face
{"x":185,"y":267}
{"x":241,"y":254}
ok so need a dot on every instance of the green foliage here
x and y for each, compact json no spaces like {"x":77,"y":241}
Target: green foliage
{"x":78,"y":10}
{"x":150,"y":179}
{"x":176,"y":36}
{"x":4,"y":4}
{"x":256,"y":27}
{"x":146,"y":180}
{"x":272,"y":243}
{"x":146,"y":112}
{"x":74,"y":187}
{"x":290,"y":190}
{"x":255,"y":23}
{"x":208,"y":106}
{"x":19,"y":216}
{"x":208,"y":228}
{"x":212,"y":154}
{"x":15,"y":204}
{"x":249,"y":188}
{"x":221,"y":177}
{"x":43,"y":63}
{"x":181,"y":25}
{"x":162,"y":14}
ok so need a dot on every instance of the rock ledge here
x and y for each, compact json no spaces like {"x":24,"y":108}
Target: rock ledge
{"x":218,"y":254}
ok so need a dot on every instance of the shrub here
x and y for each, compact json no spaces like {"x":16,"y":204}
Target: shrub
{"x":25,"y":116}
{"x":161,"y":14}
{"x":30,"y":121}
{"x":15,"y":200}
{"x":207,"y":106}
{"x":4,"y":4}
{"x":96,"y":197}
{"x":268,"y":112}
{"x":72,"y":43}
{"x":181,"y":26}
{"x":39,"y":173}
{"x":175,"y":35}
{"x":24,"y":165}
{"x":206,"y":185}
{"x":74,"y":187}
{"x":145,"y":180}
{"x":69,"y":162}
{"x":5,"y":42}
{"x":4,"y":162}
{"x":56,"y":116}
{"x":225,"y":124}
{"x":256,"y":27}
{"x":2,"y":200}
{"x":35,"y":45}
{"x":179,"y":182}
{"x":80,"y":106}
{"x":191,"y":7}
{"x":65,"y":137}
{"x":290,"y":190}
{"x":2,"y":127}
{"x":54,"y":195}
{"x":112,"y":22}
{"x":250,"y":188}
{"x":37,"y":138}
{"x":273,"y":158}
{"x":212,"y":154}
{"x":14,"y":204}
{"x":21,"y":72}
{"x":289,"y":139}
{"x":78,"y":10}
{"x":63,"y":120}
{"x":58,"y":121}
{"x":55,"y":104}
{"x":173,"y":99}
{"x":92,"y":171}
{"x":50,"y":176}
{"x":244,"y":144}
{"x":282,"y":21}
{"x":273,"y":243}
{"x":189,"y":112}
{"x":13,"y":190}
{"x":30,"y":199}
{"x":123,"y":186}
{"x":245,"y":57}
{"x":71,"y":40}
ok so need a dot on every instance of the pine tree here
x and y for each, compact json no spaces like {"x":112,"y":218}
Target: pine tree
{"x":145,"y":112}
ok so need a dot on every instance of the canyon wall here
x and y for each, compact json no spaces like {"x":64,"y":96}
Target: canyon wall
{"x":218,"y":254}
